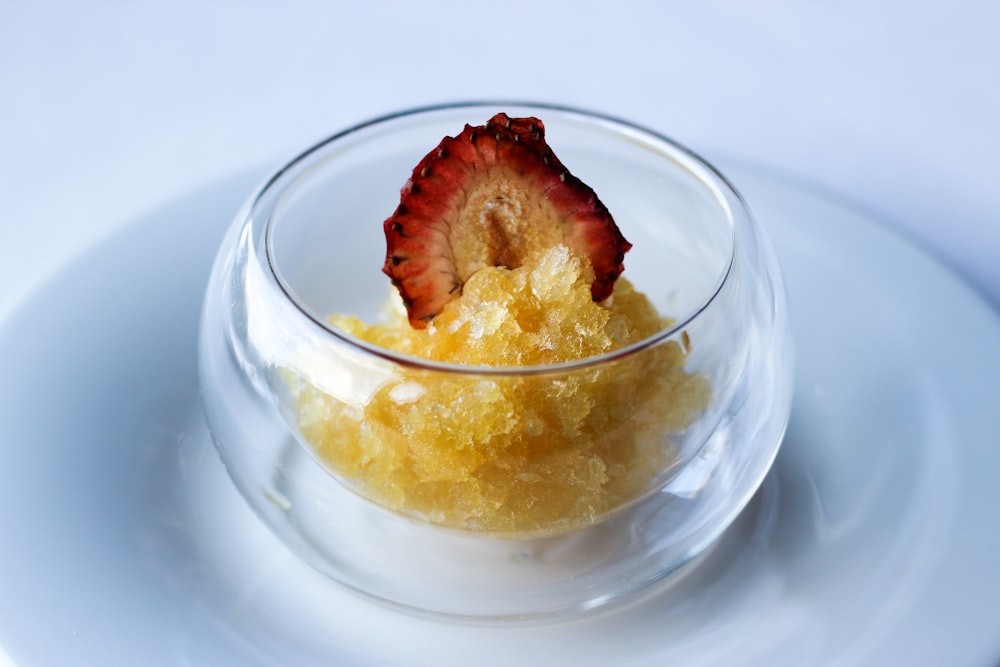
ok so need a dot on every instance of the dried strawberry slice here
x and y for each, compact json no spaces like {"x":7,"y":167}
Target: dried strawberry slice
{"x":492,"y":196}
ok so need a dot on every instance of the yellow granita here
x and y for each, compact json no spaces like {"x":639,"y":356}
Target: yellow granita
{"x":533,"y":453}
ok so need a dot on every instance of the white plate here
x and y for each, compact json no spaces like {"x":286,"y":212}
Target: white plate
{"x":874,"y":540}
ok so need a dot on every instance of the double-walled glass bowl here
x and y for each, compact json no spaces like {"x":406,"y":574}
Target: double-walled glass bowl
{"x":494,"y":492}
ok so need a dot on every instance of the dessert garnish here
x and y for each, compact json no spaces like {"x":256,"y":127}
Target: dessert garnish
{"x":492,"y":196}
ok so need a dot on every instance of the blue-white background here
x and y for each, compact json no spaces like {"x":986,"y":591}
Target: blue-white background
{"x":108,"y":109}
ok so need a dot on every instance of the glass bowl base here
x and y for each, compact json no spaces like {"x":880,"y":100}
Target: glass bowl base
{"x":433,"y":571}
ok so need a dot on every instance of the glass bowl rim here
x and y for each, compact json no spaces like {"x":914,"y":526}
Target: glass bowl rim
{"x":418,"y":363}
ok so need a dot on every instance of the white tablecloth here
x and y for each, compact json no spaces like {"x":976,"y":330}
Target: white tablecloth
{"x":108,"y":109}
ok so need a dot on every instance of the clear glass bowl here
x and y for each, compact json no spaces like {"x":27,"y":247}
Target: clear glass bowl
{"x":669,"y":440}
